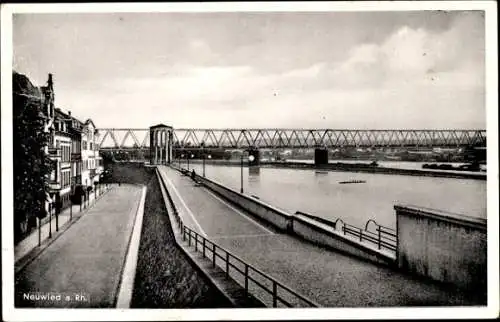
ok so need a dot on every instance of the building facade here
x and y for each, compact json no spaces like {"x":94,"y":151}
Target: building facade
{"x":91,"y":159}
{"x":77,"y":164}
{"x":60,"y":177}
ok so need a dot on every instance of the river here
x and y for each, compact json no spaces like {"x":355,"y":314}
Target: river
{"x":319,"y":192}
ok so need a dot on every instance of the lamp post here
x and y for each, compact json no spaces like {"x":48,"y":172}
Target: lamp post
{"x":39,"y":231}
{"x":190,"y":156}
{"x":250,"y":158}
{"x":71,"y":202}
{"x":182,"y":157}
{"x":95,"y":191}
{"x":205,"y":156}
{"x":50,"y":220}
{"x":56,"y":213}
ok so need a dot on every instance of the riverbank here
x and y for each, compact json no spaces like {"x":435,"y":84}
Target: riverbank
{"x":355,"y":167}
{"x":349,"y":167}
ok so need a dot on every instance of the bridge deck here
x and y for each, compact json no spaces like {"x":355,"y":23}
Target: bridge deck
{"x":327,"y":277}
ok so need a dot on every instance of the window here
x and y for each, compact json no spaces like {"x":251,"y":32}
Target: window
{"x":84,"y":143}
{"x":65,"y":179}
{"x":66,"y":153}
{"x":91,"y":148}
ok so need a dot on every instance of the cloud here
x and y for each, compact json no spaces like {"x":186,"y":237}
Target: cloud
{"x":414,"y":77}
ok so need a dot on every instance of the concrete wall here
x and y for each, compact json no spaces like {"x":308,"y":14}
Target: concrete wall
{"x":276,"y":217}
{"x":445,"y":247}
{"x":306,"y":228}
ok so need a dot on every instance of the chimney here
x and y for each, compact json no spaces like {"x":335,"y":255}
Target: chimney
{"x":69,"y":113}
{"x":49,"y":82}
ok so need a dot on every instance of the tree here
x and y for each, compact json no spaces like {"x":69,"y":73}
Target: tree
{"x":31,"y":164}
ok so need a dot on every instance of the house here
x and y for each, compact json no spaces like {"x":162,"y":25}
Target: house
{"x":75,"y":155}
{"x":60,"y":177}
{"x":72,"y":148}
{"x":91,"y":159}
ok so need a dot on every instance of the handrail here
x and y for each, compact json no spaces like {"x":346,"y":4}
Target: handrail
{"x":321,"y":220}
{"x":190,"y":234}
{"x":384,"y":237}
{"x":206,"y":244}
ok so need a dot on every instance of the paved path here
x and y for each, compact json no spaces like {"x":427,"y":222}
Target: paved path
{"x":86,"y":261}
{"x":325,"y":276}
{"x":31,"y":241}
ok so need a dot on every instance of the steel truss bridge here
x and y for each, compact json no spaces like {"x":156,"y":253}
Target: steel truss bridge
{"x":116,"y":139}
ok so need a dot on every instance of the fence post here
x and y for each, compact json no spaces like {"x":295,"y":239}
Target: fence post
{"x":227,"y":265}
{"x":189,"y":237}
{"x":195,"y":241}
{"x":275,"y":294}
{"x":39,"y":231}
{"x":57,"y":218}
{"x":183,"y":232}
{"x":246,"y":279}
{"x":204,"y":247}
{"x":213,"y":254}
{"x":378,"y":229}
{"x":360,"y":234}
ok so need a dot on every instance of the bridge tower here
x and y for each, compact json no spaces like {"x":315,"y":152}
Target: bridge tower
{"x":160,"y":147}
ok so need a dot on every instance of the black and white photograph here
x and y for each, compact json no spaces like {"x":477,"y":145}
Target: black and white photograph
{"x":237,"y":160}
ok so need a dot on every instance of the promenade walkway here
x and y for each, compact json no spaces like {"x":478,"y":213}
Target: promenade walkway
{"x":327,"y":277}
{"x":83,"y":266}
{"x":31,"y":241}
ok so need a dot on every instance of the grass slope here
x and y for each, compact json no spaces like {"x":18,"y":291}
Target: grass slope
{"x":165,"y":278}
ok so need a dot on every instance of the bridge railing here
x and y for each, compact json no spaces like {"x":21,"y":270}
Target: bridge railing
{"x":269,"y":290}
{"x":113,"y":138}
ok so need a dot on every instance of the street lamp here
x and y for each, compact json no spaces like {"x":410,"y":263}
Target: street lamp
{"x":50,"y":219}
{"x":209,"y":157}
{"x":250,"y":158}
{"x":182,"y":157}
{"x":190,"y":156}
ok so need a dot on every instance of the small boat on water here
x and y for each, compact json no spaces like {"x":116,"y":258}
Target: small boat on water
{"x":352,"y":181}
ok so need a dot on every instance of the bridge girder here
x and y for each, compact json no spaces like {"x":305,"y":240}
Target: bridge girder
{"x":296,"y":138}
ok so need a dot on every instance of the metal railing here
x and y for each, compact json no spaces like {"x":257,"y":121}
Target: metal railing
{"x":383,"y":237}
{"x":254,"y":280}
{"x":247,"y":273}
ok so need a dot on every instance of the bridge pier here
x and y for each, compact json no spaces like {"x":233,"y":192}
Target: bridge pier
{"x":320,"y":156}
{"x":160,"y":138}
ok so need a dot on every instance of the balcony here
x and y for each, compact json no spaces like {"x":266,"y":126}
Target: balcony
{"x":55,"y":152}
{"x":76,"y":157}
{"x":54,"y":185}
{"x":76,"y":180}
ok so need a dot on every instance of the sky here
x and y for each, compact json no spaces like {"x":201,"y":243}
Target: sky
{"x":357,"y":70}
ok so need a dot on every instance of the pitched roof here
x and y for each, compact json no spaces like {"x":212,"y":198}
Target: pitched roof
{"x":88,"y":121}
{"x":22,"y":85}
{"x":159,"y":125}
